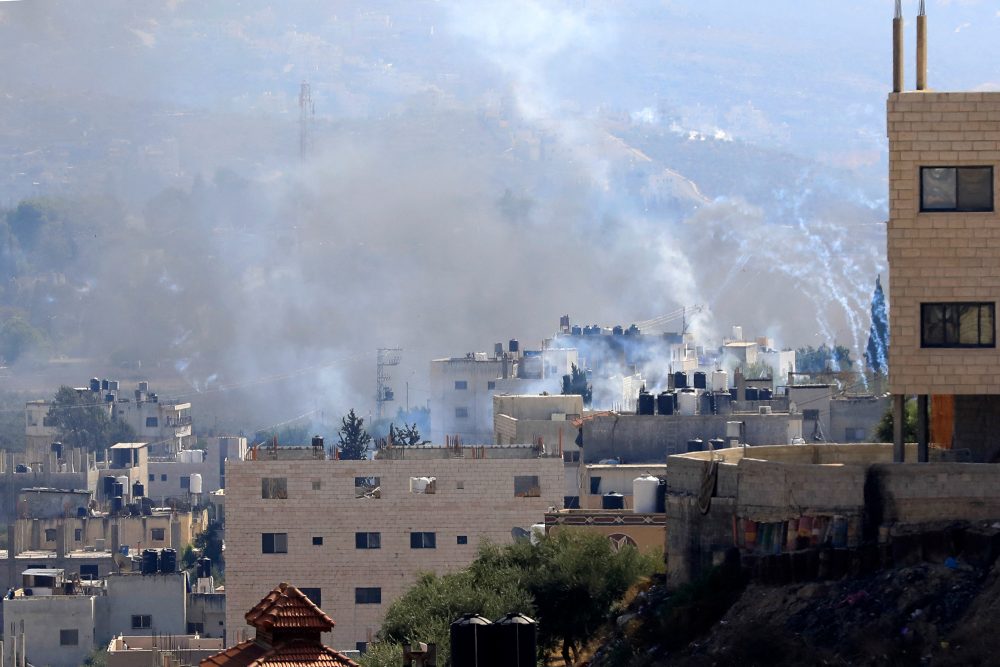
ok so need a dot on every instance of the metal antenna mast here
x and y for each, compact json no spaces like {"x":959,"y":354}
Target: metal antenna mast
{"x":307,"y":111}
{"x":386,"y":358}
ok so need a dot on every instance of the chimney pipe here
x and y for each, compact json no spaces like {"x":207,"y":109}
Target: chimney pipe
{"x":922,"y":48}
{"x":897,"y":49}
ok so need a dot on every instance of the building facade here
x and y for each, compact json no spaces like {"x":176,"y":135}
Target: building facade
{"x":355,"y":534}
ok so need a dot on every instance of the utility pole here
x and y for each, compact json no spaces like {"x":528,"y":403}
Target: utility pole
{"x":386,"y":358}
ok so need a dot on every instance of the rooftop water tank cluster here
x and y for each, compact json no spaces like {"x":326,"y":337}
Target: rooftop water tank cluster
{"x":509,"y":641}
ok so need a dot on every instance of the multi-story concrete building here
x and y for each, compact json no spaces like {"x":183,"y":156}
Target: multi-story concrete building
{"x":944,"y":258}
{"x":462,"y":390}
{"x":355,"y":534}
{"x":170,"y":476}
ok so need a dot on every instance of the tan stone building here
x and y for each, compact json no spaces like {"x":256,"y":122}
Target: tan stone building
{"x":944,"y":259}
{"x":353,"y":535}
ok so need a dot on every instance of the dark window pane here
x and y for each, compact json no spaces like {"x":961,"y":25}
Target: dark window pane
{"x":938,"y":188}
{"x":987,"y":334}
{"x":968,"y":325}
{"x":975,"y":188}
{"x":933,"y":324}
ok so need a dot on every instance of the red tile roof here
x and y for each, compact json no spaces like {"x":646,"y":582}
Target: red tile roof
{"x":296,"y":653}
{"x":288,"y":608}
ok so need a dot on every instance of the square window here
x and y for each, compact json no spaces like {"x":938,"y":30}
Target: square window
{"x":595,"y":485}
{"x":157,"y":534}
{"x":571,"y":502}
{"x":316,"y":485}
{"x":142,"y":622}
{"x":491,"y":385}
{"x":317,"y":541}
{"x":461,"y":413}
{"x":423,"y":540}
{"x":50,"y":534}
{"x":367,"y":487}
{"x":314,"y":594}
{"x":185,"y":481}
{"x":460,"y":485}
{"x":274,"y":488}
{"x":69,"y":637}
{"x":274,"y":543}
{"x":163,"y":478}
{"x":152,"y":477}
{"x":196,"y":628}
{"x":367,"y":596}
{"x":367,"y":540}
{"x":462,"y":539}
{"x":461,"y":385}
{"x":527,"y":486}
{"x":152,"y":422}
{"x":89,"y":572}
{"x":77,"y":534}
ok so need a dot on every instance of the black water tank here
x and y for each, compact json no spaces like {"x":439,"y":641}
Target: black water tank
{"x":150,"y":561}
{"x":723,"y":404}
{"x":707,"y":406}
{"x":718,"y":443}
{"x":617,"y":330}
{"x":168,"y":561}
{"x":613,"y":501}
{"x":116,"y":505}
{"x":700,"y":381}
{"x":119,"y":489}
{"x":665,"y":403}
{"x":95,"y":385}
{"x":765,"y":394}
{"x":81,"y":512}
{"x":680,"y":380}
{"x":109,"y":486}
{"x":733,"y":393}
{"x":661,"y":496}
{"x":104,"y":385}
{"x":204,"y":568}
{"x":467,"y":632}
{"x":516,"y":635}
{"x":57,"y":448}
{"x":753,"y":394}
{"x":695,"y":445}
{"x":646,"y":405}
{"x":138,"y":490}
{"x":317,"y":442}
{"x":576,"y":330}
{"x":513,"y":346}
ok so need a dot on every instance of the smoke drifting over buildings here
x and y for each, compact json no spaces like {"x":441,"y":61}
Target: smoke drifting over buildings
{"x":475,"y":172}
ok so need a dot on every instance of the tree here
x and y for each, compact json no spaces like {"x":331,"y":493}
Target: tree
{"x":823,"y":359}
{"x":576,"y":383}
{"x":877,"y":350}
{"x":884,"y":429}
{"x":354,"y":439}
{"x":83,"y":421}
{"x":569,"y":582}
{"x":407,"y":435}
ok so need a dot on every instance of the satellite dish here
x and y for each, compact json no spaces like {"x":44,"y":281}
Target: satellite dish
{"x":520,"y":534}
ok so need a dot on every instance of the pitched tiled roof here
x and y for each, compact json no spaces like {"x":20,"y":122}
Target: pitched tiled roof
{"x":296,"y":653}
{"x":288,"y":608}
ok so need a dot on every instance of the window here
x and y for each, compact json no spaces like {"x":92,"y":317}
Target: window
{"x":196,"y":628}
{"x":50,"y":534}
{"x":313,"y":594}
{"x":526,"y":486}
{"x":157,"y":534}
{"x":152,"y":422}
{"x":462,"y":539}
{"x":461,"y":385}
{"x":423,"y":541}
{"x":571,"y":502}
{"x":163,"y":478}
{"x":595,"y":485}
{"x":152,"y":477}
{"x":491,"y":385}
{"x":460,"y":485}
{"x":367,"y":487}
{"x":185,"y":481}
{"x":810,"y":414}
{"x":77,"y":534}
{"x":274,"y":543}
{"x":367,"y":596}
{"x":571,"y":457}
{"x":956,"y":189}
{"x":69,"y":637}
{"x":316,"y":485}
{"x":957,"y":325}
{"x":142,"y":622}
{"x":89,"y":572}
{"x":461,"y":413}
{"x":274,"y":488}
{"x":317,"y":541}
{"x":367,"y":540}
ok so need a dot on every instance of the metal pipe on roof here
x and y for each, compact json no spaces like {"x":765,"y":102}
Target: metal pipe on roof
{"x":897,"y":49}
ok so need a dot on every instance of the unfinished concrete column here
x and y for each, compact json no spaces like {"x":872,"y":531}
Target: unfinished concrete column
{"x":897,"y":49}
{"x":922,"y":48}
{"x":36,"y":535}
{"x":898,"y":415}
{"x":923,"y":429}
{"x":12,"y":542}
{"x":61,"y":541}
{"x":115,"y":540}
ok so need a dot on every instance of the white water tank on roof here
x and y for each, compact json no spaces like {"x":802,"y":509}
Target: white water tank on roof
{"x":687,"y":402}
{"x":196,"y":483}
{"x":644,"y":494}
{"x":720,"y":381}
{"x":418,"y":484}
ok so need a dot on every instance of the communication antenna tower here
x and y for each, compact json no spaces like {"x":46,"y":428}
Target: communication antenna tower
{"x":307,"y":112}
{"x":387,"y":357}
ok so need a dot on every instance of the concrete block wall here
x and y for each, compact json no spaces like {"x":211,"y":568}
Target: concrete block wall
{"x":932,"y":492}
{"x":940,"y":257}
{"x":474,"y":498}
